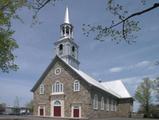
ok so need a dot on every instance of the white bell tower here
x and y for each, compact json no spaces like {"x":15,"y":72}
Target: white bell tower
{"x":65,"y":47}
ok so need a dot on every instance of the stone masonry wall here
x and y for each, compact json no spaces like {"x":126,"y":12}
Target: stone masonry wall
{"x":125,"y":107}
{"x":66,"y":77}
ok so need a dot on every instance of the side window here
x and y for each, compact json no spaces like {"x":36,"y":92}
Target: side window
{"x":107,"y":105}
{"x":102,"y":103}
{"x":76,"y":86}
{"x":95,"y":102}
{"x":41,"y":90}
{"x":112,"y":104}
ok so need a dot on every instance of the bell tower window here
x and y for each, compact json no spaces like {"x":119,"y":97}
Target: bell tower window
{"x":60,"y":49}
{"x":73,"y":49}
{"x":67,"y":30}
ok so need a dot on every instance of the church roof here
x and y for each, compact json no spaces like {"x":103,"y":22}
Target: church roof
{"x":93,"y":82}
{"x":115,"y":88}
{"x":118,"y":87}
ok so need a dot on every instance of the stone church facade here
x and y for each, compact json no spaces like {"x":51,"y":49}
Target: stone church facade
{"x":63,"y":90}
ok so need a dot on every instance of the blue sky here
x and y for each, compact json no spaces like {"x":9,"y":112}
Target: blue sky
{"x":102,"y":60}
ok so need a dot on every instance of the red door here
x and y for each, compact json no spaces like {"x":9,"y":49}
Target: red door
{"x":76,"y":112}
{"x":41,"y":111}
{"x":57,"y":111}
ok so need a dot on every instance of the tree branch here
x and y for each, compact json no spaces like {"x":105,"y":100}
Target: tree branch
{"x":3,"y":7}
{"x":155,"y":5}
{"x":42,"y":4}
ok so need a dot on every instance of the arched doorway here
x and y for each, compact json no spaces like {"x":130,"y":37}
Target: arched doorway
{"x":57,"y":108}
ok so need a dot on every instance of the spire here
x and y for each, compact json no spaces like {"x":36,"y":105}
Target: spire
{"x":66,"y":19}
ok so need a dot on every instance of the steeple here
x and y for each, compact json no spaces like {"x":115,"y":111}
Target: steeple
{"x":66,"y":27}
{"x":66,"y":19}
{"x":65,"y":47}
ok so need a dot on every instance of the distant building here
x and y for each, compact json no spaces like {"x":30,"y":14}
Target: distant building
{"x":63,"y":90}
{"x":16,"y":111}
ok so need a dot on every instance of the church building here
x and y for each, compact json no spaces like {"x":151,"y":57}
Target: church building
{"x":63,"y":90}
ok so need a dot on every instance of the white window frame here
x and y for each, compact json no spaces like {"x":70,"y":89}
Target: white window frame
{"x":41,"y":89}
{"x":95,"y":102}
{"x":76,"y":86}
{"x":57,"y":87}
{"x":102,"y":103}
{"x":107,"y":104}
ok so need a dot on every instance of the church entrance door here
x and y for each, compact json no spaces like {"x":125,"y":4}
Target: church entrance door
{"x":57,"y":109}
{"x":41,"y":111}
{"x":76,"y":111}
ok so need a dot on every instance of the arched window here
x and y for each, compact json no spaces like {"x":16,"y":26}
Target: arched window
{"x":67,"y":30}
{"x":57,"y":103}
{"x":95,"y":102}
{"x":114,"y":105}
{"x":102,"y":103}
{"x":111,"y":105}
{"x":60,"y":47}
{"x":76,"y":85}
{"x":41,"y":90}
{"x":73,"y":49}
{"x":57,"y":87}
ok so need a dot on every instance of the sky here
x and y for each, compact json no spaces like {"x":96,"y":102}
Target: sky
{"x":103,"y":61}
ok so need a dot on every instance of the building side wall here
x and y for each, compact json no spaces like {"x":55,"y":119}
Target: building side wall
{"x":125,"y":107}
{"x":98,"y":113}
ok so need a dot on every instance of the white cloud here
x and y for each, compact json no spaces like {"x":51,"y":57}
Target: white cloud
{"x":141,"y":64}
{"x":116,"y":69}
